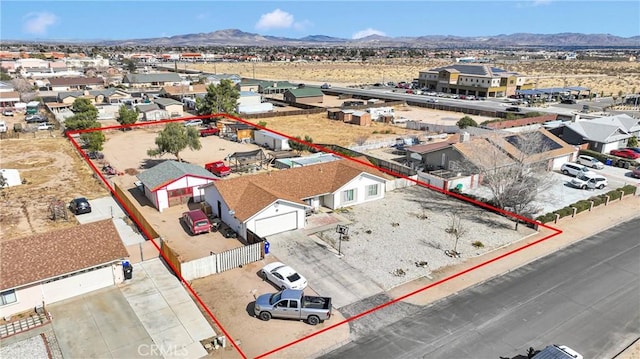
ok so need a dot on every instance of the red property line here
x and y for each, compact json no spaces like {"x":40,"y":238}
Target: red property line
{"x":320,"y":148}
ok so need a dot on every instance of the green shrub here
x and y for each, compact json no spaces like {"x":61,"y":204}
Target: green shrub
{"x":477,"y":244}
{"x":613,"y":195}
{"x":546,"y":218}
{"x":582,"y":206}
{"x":628,"y":189}
{"x":563,"y":212}
{"x":597,"y":200}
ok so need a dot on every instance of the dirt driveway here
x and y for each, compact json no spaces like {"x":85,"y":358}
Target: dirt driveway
{"x":230,"y":296}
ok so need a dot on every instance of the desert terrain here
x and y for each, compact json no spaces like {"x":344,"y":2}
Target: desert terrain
{"x":50,"y":167}
{"x":608,"y":77}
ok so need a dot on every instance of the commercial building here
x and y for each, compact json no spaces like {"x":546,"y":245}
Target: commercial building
{"x":472,"y":79}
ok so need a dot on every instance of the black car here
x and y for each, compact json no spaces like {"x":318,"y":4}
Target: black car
{"x":36,"y":119}
{"x":95,"y":155}
{"x":79,"y":205}
{"x":228,"y":233}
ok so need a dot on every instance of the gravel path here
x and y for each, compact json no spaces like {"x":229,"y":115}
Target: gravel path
{"x":403,"y":237}
{"x":34,"y":347}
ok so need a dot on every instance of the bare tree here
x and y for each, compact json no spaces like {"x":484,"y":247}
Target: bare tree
{"x":456,"y":230}
{"x":513,"y":167}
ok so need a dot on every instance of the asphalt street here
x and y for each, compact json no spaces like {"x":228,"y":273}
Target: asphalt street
{"x":586,"y":296}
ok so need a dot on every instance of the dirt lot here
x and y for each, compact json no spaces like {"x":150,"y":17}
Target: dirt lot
{"x":51,"y":168}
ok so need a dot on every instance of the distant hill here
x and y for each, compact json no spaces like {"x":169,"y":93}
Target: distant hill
{"x":235,"y":37}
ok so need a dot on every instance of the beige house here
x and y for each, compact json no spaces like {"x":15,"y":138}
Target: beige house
{"x":174,"y":108}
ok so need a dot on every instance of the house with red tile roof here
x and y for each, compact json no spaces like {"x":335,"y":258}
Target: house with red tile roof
{"x":277,"y":201}
{"x":49,"y":267}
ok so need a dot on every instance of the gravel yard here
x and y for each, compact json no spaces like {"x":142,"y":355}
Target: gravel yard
{"x":403,"y":236}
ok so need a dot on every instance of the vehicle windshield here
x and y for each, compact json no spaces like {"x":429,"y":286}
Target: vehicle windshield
{"x":294,"y":277}
{"x":275,"y":298}
{"x":583,"y":178}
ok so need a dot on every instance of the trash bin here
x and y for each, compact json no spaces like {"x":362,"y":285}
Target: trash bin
{"x":266,"y":247}
{"x":608,"y":162}
{"x":128,"y":270}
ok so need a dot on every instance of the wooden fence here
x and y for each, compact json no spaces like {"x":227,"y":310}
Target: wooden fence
{"x":220,"y":262}
{"x":134,"y":211}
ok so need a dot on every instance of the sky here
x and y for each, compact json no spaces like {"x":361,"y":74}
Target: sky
{"x":120,"y":20}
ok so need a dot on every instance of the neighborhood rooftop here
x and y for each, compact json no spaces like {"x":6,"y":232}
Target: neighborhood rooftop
{"x":168,"y":171}
{"x":47,"y":255}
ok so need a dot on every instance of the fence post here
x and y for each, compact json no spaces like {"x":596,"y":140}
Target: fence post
{"x":591,"y":205}
{"x":574,"y":211}
{"x":621,"y":195}
{"x":606,"y":200}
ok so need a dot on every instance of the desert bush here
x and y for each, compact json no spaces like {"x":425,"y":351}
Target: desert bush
{"x":546,"y":218}
{"x":598,"y":200}
{"x":477,"y":244}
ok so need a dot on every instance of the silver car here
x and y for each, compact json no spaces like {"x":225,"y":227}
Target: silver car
{"x":590,"y":162}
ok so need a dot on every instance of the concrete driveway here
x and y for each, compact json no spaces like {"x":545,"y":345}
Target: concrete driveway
{"x":327,"y":274}
{"x":100,"y":324}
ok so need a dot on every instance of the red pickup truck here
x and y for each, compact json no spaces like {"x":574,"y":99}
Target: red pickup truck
{"x":218,"y":168}
{"x":211,"y":131}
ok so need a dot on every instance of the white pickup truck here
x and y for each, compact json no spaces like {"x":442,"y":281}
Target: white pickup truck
{"x":293,"y":304}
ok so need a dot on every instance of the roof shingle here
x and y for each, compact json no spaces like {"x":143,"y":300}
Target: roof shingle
{"x":48,"y":255}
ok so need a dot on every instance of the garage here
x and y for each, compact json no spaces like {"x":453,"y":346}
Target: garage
{"x":77,"y":284}
{"x":277,"y":224}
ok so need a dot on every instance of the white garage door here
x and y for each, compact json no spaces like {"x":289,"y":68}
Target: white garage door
{"x":77,"y":284}
{"x":276,"y":224}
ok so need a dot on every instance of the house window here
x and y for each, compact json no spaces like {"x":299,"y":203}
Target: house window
{"x":8,"y":297}
{"x":348,"y":196}
{"x":372,"y":190}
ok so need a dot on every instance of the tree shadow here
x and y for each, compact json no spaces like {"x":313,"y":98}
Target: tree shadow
{"x":150,"y":163}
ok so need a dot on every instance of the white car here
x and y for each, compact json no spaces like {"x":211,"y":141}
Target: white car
{"x":45,"y":126}
{"x":590,"y":162}
{"x":574,"y":169}
{"x":193,"y":123}
{"x":283,"y":276}
{"x":7,"y":113}
{"x":591,"y":181}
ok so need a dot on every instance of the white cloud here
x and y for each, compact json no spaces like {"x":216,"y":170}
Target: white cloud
{"x":38,"y":22}
{"x":277,"y":19}
{"x":367,"y":32}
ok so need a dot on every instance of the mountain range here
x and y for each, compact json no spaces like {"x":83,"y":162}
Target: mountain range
{"x":234,"y":37}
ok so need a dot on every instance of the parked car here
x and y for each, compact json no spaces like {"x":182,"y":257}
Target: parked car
{"x":197,"y":221}
{"x":193,"y":123}
{"x":590,"y":162}
{"x":634,"y":149}
{"x":218,"y":168}
{"x":626,"y":153}
{"x":293,"y":304}
{"x":79,"y":205}
{"x":325,"y":86}
{"x":45,"y":126}
{"x":590,"y":181}
{"x":636,"y":172}
{"x":7,"y":113}
{"x":227,"y":232}
{"x":36,"y":119}
{"x":283,"y":276}
{"x":574,"y":169}
{"x":209,"y":131}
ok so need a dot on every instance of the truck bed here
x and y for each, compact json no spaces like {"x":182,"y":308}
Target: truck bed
{"x":316,"y":302}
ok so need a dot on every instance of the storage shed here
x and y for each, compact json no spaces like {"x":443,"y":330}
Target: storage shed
{"x":171,"y":183}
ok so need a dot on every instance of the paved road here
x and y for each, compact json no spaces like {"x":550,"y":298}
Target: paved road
{"x":586,"y":297}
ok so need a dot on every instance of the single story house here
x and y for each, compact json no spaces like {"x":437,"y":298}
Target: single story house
{"x":277,"y":201}
{"x":45,"y":268}
{"x":110,"y":95}
{"x":251,"y":102}
{"x":9,"y":99}
{"x":271,"y":140}
{"x":306,"y":95}
{"x":75,"y":83}
{"x":601,"y":134}
{"x":184,"y":91}
{"x":171,"y":183}
{"x":151,"y":112}
{"x":153,"y":80}
{"x":173,"y":107}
